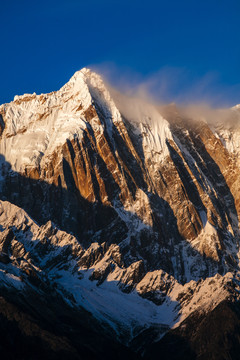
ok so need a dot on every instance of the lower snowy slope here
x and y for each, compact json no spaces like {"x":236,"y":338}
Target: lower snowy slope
{"x":45,"y":259}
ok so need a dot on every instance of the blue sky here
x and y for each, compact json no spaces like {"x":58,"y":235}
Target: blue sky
{"x":186,"y":50}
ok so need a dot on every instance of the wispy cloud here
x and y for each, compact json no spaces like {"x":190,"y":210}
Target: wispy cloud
{"x":171,"y":84}
{"x":141,"y":97}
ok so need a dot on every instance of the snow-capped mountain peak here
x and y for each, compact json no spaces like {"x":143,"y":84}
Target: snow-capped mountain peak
{"x":118,"y":208}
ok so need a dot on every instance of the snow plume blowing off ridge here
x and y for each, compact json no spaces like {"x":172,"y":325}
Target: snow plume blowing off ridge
{"x":140,"y":109}
{"x":143,"y":99}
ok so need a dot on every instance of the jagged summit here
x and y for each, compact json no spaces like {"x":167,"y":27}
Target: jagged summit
{"x":78,"y":80}
{"x":35,"y":125}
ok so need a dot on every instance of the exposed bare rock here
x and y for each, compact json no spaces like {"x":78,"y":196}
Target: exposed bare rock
{"x":133,"y":275}
{"x":5,"y":240}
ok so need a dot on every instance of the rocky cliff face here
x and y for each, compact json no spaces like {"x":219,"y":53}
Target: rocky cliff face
{"x":106,"y":198}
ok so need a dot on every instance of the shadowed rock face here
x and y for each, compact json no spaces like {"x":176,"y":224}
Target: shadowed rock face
{"x":148,"y":204}
{"x":58,"y":333}
{"x":212,"y":336}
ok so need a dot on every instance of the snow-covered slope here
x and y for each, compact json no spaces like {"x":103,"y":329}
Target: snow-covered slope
{"x":35,"y":125}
